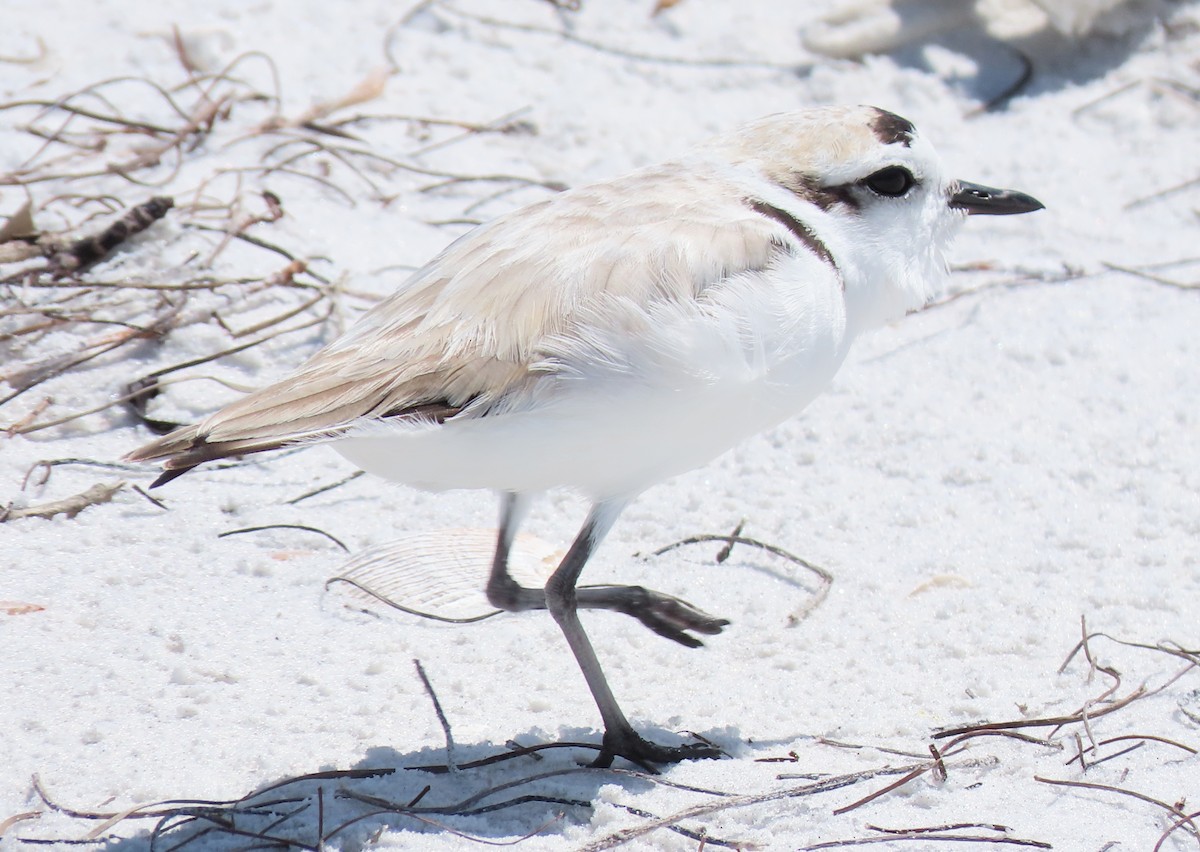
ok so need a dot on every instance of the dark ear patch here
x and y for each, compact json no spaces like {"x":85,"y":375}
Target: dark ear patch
{"x":890,"y":128}
{"x":826,"y":197}
{"x":799,"y":230}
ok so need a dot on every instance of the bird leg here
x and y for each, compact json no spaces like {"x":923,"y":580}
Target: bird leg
{"x":561,"y":598}
{"x":665,"y":614}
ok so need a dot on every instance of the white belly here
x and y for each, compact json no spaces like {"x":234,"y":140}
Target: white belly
{"x":636,"y":405}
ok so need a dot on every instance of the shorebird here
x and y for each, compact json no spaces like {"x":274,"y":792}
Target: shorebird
{"x":618,"y":334}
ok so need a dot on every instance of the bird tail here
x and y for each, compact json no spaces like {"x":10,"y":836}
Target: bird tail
{"x":185,"y":448}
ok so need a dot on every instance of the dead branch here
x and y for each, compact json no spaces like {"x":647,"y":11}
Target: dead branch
{"x":63,"y":105}
{"x":455,"y":180}
{"x":790,"y":757}
{"x":1049,"y":721}
{"x":959,"y":826}
{"x":857,"y":746}
{"x":1008,"y":734}
{"x":69,"y":506}
{"x":149,"y":497}
{"x":1093,"y":668}
{"x":329,"y":536}
{"x":26,"y":423}
{"x":895,"y":785}
{"x":6,"y":824}
{"x":368,"y":89}
{"x":325,"y":488}
{"x":199,"y":123}
{"x":1174,"y":810}
{"x":268,"y":818}
{"x":263,"y":325}
{"x":507,"y":125}
{"x":141,"y":391}
{"x":341,"y":153}
{"x":1162,"y":193}
{"x":1171,"y":649}
{"x":1151,"y":277}
{"x":681,"y":61}
{"x":725,"y":551}
{"x":28,"y":60}
{"x":444,"y":619}
{"x":274,"y":214}
{"x":135,"y":396}
{"x":826,"y":785}
{"x":1186,"y":819}
{"x":1025,"y":279}
{"x":259,"y":243}
{"x":918,"y":835}
{"x":153,"y":286}
{"x":286,"y":276}
{"x":1095,"y":102}
{"x":46,"y":467}
{"x":163,"y":808}
{"x":87,"y":251}
{"x":472,"y":805}
{"x":451,"y":761}
{"x":226,"y":75}
{"x":25,"y":378}
{"x":262,"y":170}
{"x":433,"y":824}
{"x":825,"y":578}
{"x":26,"y":174}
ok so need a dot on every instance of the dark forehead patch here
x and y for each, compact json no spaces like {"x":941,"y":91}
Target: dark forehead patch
{"x":890,"y":128}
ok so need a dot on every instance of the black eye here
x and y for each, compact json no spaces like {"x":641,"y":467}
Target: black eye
{"x":892,"y":182}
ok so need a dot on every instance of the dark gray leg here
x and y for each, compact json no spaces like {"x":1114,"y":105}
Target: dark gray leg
{"x":664,"y":614}
{"x":503,"y":592}
{"x":620,"y":740}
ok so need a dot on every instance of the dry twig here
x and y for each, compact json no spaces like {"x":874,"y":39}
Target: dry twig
{"x":825,"y":785}
{"x":1174,"y":810}
{"x":451,"y":761}
{"x":304,"y":527}
{"x":825,"y":578}
{"x":69,"y":506}
{"x":84,"y":252}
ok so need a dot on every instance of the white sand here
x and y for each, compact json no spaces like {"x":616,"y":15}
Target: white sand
{"x":980,"y":477}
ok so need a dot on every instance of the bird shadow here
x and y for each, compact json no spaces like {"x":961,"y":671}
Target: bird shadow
{"x":492,"y":794}
{"x":1038,"y":63}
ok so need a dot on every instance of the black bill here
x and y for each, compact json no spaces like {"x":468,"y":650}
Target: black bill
{"x":983,"y":200}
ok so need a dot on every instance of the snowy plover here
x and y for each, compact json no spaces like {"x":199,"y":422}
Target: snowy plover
{"x":620,"y":333}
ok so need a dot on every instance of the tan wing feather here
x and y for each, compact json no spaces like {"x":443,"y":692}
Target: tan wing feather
{"x":468,"y":328}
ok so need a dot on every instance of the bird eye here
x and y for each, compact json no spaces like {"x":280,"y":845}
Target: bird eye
{"x":892,"y":182}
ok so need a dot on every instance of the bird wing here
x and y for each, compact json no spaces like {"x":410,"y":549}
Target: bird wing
{"x":467,"y":332}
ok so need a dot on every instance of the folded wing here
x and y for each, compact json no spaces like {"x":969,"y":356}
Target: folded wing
{"x":464,"y":336}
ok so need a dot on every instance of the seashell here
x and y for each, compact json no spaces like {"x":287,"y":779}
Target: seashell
{"x":438,"y":574}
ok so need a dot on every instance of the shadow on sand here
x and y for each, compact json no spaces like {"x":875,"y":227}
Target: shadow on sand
{"x":496,"y":794}
{"x":1039,"y":63}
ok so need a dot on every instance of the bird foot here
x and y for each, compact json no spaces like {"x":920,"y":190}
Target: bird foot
{"x":666,"y":615}
{"x":635,"y":749}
